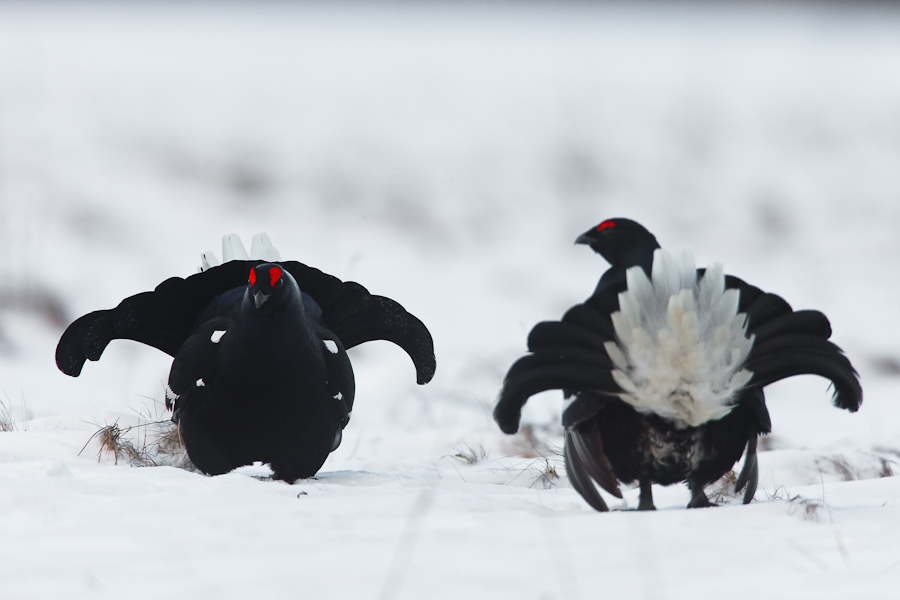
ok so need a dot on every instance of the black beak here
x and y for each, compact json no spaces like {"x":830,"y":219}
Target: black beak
{"x":259,"y":298}
{"x":585,"y":238}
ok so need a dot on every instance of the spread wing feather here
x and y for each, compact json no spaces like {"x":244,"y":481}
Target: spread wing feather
{"x":165,"y":317}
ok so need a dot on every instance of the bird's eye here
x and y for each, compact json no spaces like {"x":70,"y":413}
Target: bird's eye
{"x":252,"y":277}
{"x":274,"y":275}
{"x":606,"y":225}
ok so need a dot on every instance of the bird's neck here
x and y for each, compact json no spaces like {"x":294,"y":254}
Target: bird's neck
{"x":615,"y":275}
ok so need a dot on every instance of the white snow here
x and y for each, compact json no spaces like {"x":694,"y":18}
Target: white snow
{"x":445,"y":156}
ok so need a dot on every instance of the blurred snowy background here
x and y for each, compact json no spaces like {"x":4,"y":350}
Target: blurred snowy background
{"x":445,"y":155}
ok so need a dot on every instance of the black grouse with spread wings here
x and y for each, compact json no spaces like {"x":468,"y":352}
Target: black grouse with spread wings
{"x":260,"y":370}
{"x":663,"y":369}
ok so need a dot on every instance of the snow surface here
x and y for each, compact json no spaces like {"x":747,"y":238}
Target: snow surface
{"x":447,"y":157}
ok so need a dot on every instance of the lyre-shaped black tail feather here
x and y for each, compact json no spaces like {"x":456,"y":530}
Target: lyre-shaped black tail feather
{"x":550,"y":334}
{"x":811,"y":361}
{"x":749,"y":475}
{"x":588,"y":445}
{"x":540,"y":372}
{"x":360,"y":317}
{"x":594,"y":316}
{"x":565,"y":356}
{"x":579,"y":477}
{"x":807,"y":322}
{"x":797,"y":344}
{"x":789,"y":343}
{"x":165,"y":317}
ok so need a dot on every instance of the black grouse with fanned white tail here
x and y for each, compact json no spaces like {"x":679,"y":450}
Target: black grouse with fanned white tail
{"x":260,"y":370}
{"x":663,"y":370}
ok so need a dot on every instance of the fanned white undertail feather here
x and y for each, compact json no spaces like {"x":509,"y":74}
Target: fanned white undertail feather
{"x":261,"y":248}
{"x":681,"y":342}
{"x":232,"y":248}
{"x":208,"y":260}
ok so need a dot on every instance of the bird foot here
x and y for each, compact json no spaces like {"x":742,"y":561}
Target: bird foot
{"x":646,"y":502}
{"x":699,"y":499}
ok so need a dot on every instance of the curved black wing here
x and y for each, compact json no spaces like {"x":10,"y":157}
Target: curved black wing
{"x":165,"y":317}
{"x":790,"y":342}
{"x":570,"y":355}
{"x":567,"y":355}
{"x":356,"y":316}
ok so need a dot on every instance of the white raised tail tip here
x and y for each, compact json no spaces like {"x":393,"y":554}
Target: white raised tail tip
{"x":681,"y":342}
{"x":233,"y":248}
{"x":261,"y":248}
{"x":208,"y":260}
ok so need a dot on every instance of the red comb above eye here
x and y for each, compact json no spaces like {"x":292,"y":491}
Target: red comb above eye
{"x":274,"y":275}
{"x":252,"y":276}
{"x":606,"y":225}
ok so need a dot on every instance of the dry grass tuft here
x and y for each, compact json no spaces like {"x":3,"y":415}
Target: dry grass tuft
{"x":547,"y":474}
{"x":113,"y":441}
{"x":722,"y":491}
{"x":469,"y":453}
{"x":544,"y":456}
{"x":807,"y":508}
{"x":527,"y":444}
{"x":169,"y":445}
{"x":153,"y":442}
{"x":6,"y":419}
{"x":542,"y":461}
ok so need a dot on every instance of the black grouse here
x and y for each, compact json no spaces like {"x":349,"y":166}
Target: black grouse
{"x":260,"y":370}
{"x":663,"y":370}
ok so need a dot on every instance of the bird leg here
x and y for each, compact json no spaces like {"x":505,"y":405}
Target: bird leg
{"x":698,"y":496}
{"x":646,"y":502}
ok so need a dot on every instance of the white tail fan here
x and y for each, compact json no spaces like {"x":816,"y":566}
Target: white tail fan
{"x":261,"y":248}
{"x":232,"y":248}
{"x":681,"y":342}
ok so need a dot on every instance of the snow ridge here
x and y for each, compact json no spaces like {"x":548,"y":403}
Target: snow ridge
{"x":681,"y":342}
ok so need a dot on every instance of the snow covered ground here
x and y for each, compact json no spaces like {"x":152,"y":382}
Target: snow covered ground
{"x":446,"y":157}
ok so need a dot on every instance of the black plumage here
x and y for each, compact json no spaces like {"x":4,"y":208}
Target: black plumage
{"x":609,"y":439}
{"x":260,"y":369}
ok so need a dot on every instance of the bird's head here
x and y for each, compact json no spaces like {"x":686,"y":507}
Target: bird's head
{"x":268,"y":284}
{"x":618,"y":240}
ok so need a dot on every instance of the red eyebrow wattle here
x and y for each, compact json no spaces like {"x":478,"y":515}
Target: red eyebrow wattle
{"x":252,"y":276}
{"x":606,"y":225}
{"x":274,"y":275}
